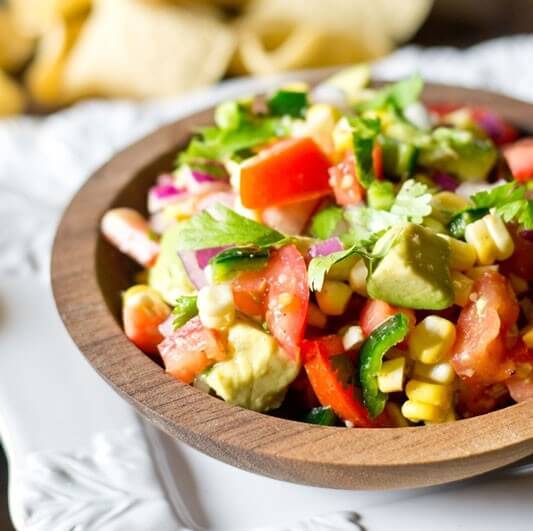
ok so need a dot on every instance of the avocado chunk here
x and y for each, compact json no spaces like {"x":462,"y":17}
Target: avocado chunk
{"x":414,"y":273}
{"x":256,"y":374}
{"x":459,"y":153}
{"x":168,"y":276}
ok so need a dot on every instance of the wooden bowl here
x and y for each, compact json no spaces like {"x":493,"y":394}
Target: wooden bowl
{"x":88,"y":276}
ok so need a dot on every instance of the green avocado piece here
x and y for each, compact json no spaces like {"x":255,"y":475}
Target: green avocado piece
{"x":168,"y":276}
{"x":459,"y":153}
{"x":414,"y":273}
{"x":256,"y":374}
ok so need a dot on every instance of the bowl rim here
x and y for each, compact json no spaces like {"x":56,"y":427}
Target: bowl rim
{"x":270,"y":445}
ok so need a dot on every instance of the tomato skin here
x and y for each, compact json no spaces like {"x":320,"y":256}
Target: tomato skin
{"x":190,"y":350}
{"x":143,"y":310}
{"x":520,"y":386}
{"x":374,"y":312}
{"x":347,"y":188}
{"x":519,"y":157}
{"x":377,"y":161}
{"x":482,"y":330}
{"x":287,"y":275}
{"x":280,"y":294}
{"x":329,"y":390}
{"x":521,"y":261}
{"x":289,"y":171}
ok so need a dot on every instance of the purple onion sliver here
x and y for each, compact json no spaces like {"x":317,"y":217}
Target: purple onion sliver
{"x":194,"y":272}
{"x":166,"y":190}
{"x":445,"y":181}
{"x":201,"y":178}
{"x":166,"y":178}
{"x":204,"y":255}
{"x":326,"y":247}
{"x":527,"y":235}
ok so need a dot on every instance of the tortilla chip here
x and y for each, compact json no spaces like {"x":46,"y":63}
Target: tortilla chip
{"x":279,"y":35}
{"x":44,"y":77}
{"x":12,"y":100}
{"x":132,"y":48}
{"x":35,"y":17}
{"x":15,"y":47}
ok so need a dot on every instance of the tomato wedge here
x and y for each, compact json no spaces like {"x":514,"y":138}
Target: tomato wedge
{"x":189,"y":350}
{"x":479,"y":352}
{"x":519,"y":156}
{"x":288,"y":298}
{"x":279,"y":294}
{"x":347,"y":188}
{"x":143,"y":310}
{"x":374,"y":312}
{"x":324,"y":361}
{"x":289,"y":171}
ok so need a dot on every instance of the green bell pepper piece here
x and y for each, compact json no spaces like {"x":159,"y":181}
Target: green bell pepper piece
{"x":228,"y":262}
{"x":323,"y":416}
{"x":458,"y":223}
{"x":383,"y":338}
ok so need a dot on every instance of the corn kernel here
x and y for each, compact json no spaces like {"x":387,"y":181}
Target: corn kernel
{"x":478,"y":235}
{"x":216,"y":308}
{"x":341,"y":270}
{"x":395,"y":414}
{"x":391,"y":375}
{"x":358,"y":275}
{"x":432,"y":339}
{"x":448,"y":416}
{"x":519,"y":284}
{"x":319,"y":125}
{"x":342,"y":136}
{"x":441,"y":373}
{"x":479,"y":271}
{"x":462,"y":287}
{"x":527,"y":336}
{"x":429,"y":393}
{"x":417,"y":411}
{"x":500,"y":236}
{"x":462,"y":255}
{"x":334,"y":297}
{"x":315,"y":317}
{"x":353,"y":337}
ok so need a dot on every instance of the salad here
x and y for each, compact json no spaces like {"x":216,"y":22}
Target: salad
{"x":341,"y":255}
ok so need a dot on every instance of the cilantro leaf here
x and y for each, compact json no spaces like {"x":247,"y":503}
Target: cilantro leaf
{"x":325,"y":222}
{"x":526,"y":216}
{"x":499,"y":196}
{"x":288,"y":102}
{"x":224,"y":227}
{"x":413,"y":201}
{"x":366,"y":222}
{"x":184,"y":310}
{"x":398,"y":95}
{"x":319,"y":266}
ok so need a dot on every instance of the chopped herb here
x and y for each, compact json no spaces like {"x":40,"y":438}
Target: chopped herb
{"x":288,"y":102}
{"x":184,"y":310}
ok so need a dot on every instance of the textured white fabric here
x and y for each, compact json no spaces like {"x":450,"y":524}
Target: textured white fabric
{"x":44,"y":160}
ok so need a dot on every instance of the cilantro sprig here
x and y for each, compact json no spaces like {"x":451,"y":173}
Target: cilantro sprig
{"x":185,"y":309}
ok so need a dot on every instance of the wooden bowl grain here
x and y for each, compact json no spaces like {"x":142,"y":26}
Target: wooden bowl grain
{"x":88,"y":276}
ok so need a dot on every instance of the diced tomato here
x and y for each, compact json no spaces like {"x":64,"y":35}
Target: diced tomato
{"x":442,"y":108}
{"x":190,"y":350}
{"x":129,"y":232}
{"x":519,"y":156}
{"x":291,"y":218}
{"x":143,"y":310}
{"x":521,"y":261}
{"x":520,"y":385}
{"x":289,"y":171}
{"x":280,"y":294}
{"x":479,"y":352}
{"x":249,"y":292}
{"x":330,"y":386}
{"x":374,"y":312}
{"x":473,"y":398}
{"x":347,"y":188}
{"x":288,"y":298}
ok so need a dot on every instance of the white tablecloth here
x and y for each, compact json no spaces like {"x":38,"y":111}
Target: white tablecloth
{"x":79,"y":456}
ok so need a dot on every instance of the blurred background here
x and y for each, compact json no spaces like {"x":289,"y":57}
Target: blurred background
{"x":54,"y":53}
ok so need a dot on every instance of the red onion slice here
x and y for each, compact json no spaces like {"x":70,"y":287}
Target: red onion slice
{"x":194,"y":271}
{"x":326,"y":247}
{"x":204,"y":255}
{"x":445,"y":181}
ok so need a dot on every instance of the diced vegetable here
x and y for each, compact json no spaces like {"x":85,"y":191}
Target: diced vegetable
{"x":143,"y":310}
{"x":190,"y":350}
{"x":185,"y":309}
{"x":334,"y":296}
{"x":519,"y":156}
{"x":375,"y":312}
{"x":301,"y":163}
{"x":288,"y":102}
{"x":230,"y":261}
{"x":432,"y":339}
{"x":346,"y":186}
{"x":386,"y":336}
{"x":323,"y":416}
{"x":331,"y":373}
{"x":429,"y":393}
{"x":216,"y":307}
